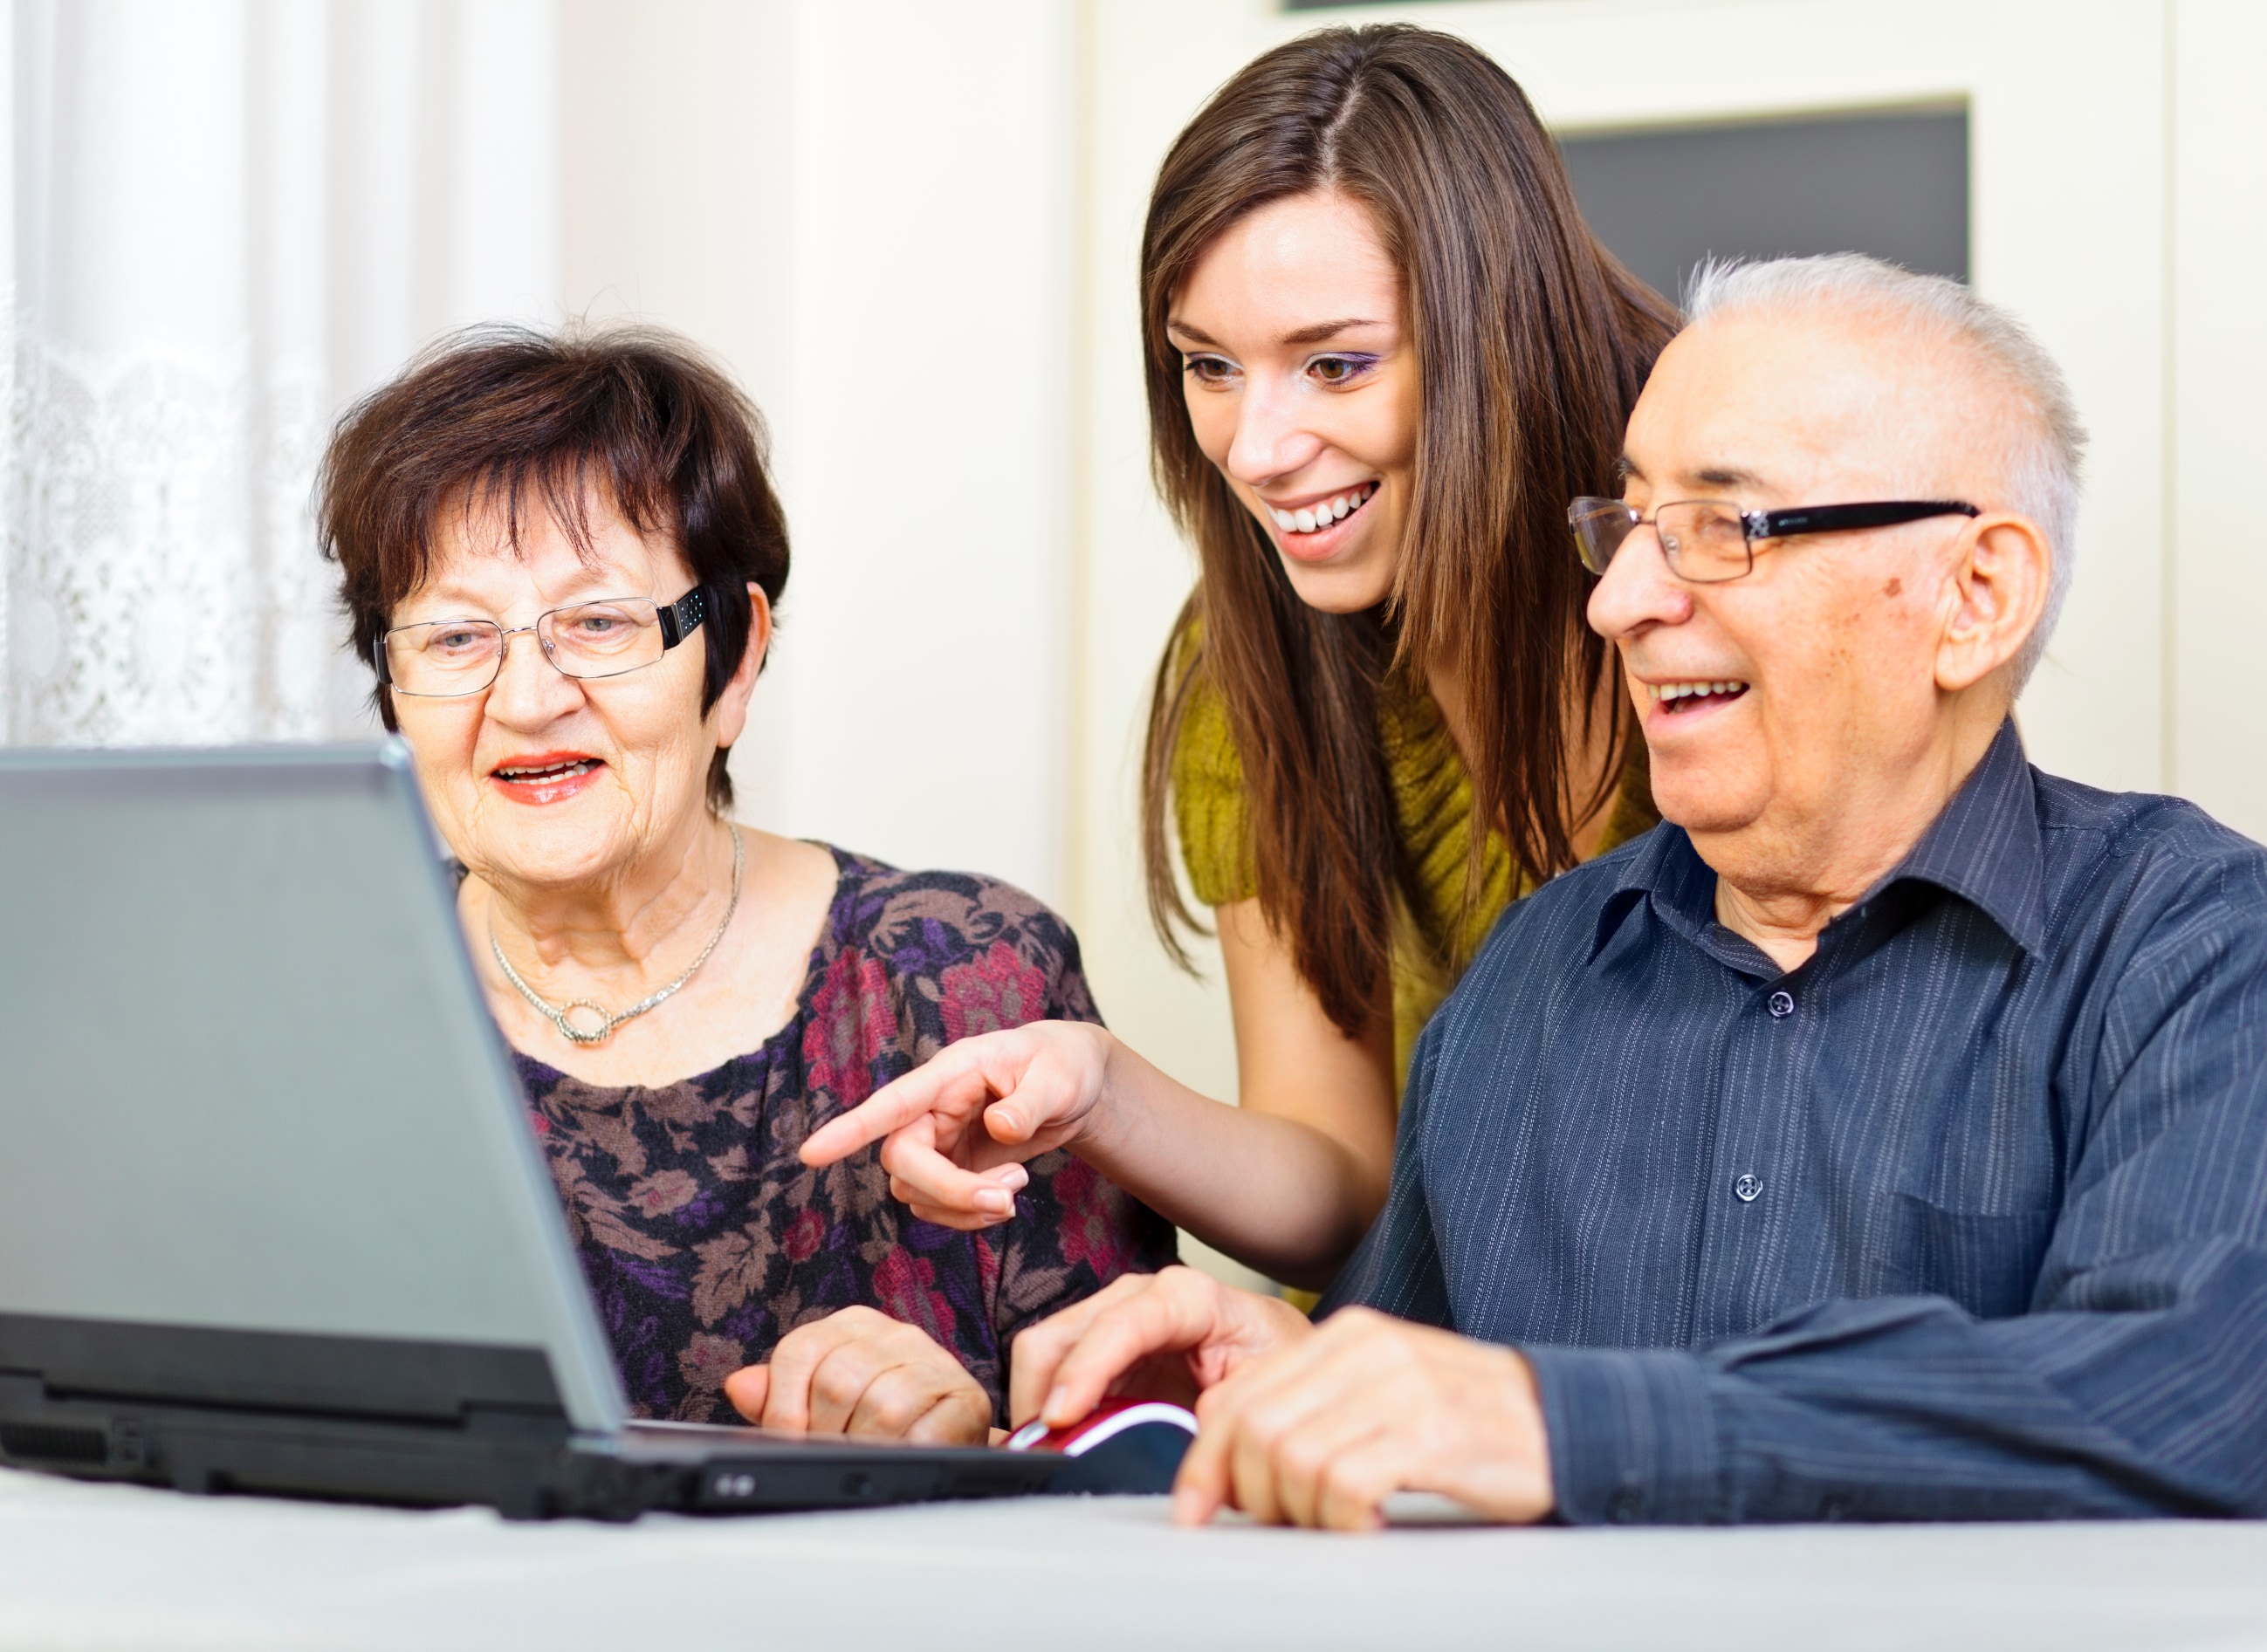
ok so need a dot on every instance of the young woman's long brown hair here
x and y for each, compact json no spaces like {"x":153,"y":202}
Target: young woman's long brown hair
{"x":1532,"y":344}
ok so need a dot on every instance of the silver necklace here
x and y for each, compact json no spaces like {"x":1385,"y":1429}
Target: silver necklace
{"x":558,"y":1015}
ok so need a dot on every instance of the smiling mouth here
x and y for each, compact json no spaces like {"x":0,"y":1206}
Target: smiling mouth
{"x":1677,"y":698}
{"x":1328,"y":514}
{"x":547,"y":773}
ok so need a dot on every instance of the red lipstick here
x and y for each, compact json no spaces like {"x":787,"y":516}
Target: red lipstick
{"x":545,"y":777}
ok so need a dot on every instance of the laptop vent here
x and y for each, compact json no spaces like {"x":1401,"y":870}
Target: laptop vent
{"x":47,"y":1442}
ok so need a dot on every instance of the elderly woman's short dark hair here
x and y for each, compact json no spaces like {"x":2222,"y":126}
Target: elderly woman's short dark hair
{"x":511,"y":419}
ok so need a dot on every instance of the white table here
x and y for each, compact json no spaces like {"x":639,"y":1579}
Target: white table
{"x":122,"y":1567}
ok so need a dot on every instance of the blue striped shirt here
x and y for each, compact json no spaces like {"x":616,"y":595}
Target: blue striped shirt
{"x":1964,"y":1218}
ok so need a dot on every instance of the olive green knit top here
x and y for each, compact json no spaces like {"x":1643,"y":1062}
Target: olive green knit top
{"x":1433,"y":809}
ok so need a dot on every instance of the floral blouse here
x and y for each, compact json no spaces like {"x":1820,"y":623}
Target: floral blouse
{"x":705,"y":1240}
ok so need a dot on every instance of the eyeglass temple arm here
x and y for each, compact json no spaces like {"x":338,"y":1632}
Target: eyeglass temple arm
{"x":681,"y":619}
{"x":1776,"y":524}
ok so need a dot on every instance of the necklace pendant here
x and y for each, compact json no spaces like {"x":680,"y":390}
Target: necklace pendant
{"x":586,"y":1034}
{"x":562,"y":1016}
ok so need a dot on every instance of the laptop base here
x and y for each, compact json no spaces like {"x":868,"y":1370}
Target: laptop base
{"x":362,"y":1420}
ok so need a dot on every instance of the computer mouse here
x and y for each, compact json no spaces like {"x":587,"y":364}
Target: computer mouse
{"x":1124,"y":1446}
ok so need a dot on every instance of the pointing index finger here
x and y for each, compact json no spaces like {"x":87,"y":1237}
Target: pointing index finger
{"x":911,"y":1096}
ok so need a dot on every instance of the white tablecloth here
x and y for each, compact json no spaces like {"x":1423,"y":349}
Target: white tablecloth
{"x":122,"y":1567}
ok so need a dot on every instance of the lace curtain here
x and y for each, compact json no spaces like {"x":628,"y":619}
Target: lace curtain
{"x":229,"y":219}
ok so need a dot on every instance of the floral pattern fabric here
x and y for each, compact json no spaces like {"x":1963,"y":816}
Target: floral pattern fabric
{"x":706,"y":1239}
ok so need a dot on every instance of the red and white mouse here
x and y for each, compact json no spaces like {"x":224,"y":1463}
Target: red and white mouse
{"x":1121,"y":1445}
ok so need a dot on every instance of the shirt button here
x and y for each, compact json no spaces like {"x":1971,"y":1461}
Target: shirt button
{"x":1747,"y":1188}
{"x":1782,"y":1004}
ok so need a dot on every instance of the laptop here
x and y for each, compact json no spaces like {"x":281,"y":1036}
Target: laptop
{"x":272,"y":1219}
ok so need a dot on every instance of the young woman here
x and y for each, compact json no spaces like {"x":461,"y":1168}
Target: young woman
{"x":1383,"y":353}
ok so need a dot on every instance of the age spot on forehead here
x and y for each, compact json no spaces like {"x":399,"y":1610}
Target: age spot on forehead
{"x":1894,"y":588}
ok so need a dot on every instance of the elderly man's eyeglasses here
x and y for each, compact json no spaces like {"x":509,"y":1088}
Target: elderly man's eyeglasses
{"x":608,"y":638}
{"x":1706,"y":541}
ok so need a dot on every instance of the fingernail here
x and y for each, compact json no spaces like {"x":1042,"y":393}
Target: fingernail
{"x":996,"y":1203}
{"x":1016,"y":1178}
{"x":1053,"y":1411}
{"x":1010,"y":1122}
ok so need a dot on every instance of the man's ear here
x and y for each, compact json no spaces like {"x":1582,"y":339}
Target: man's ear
{"x":729,"y":714}
{"x":1995,"y":598}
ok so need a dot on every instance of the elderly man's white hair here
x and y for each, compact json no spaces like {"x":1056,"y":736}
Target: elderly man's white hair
{"x":2045,"y":449}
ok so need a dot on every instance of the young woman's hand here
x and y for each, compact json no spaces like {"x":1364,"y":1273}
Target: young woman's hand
{"x":956,"y":1130}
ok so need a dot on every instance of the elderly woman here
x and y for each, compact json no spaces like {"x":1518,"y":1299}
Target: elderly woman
{"x":562,"y":558}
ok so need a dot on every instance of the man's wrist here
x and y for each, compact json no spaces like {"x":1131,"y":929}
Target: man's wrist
{"x":1532,"y":1447}
{"x":1630,"y":1434}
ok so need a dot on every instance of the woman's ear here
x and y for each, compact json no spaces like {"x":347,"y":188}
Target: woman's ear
{"x":729,"y":714}
{"x":1999,"y":588}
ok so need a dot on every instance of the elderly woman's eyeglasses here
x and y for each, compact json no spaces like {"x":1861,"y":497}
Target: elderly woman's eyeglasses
{"x":1706,"y":541}
{"x":608,"y":638}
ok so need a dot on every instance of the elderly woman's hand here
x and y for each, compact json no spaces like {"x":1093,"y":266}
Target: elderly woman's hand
{"x":861,"y":1372}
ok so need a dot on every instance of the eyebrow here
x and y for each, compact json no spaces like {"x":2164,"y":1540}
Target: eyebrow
{"x":1323,"y":329}
{"x":1314,"y":334}
{"x":1713,"y":476}
{"x":449,"y":594}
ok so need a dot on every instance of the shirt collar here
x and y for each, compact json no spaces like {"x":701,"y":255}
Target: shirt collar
{"x":1982,"y":847}
{"x":1667,"y":869}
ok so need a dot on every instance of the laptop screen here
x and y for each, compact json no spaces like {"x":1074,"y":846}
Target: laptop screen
{"x":246,"y":1081}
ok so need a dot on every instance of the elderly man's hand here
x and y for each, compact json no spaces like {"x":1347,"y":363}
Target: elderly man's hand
{"x":861,"y":1372}
{"x":1322,"y":1432}
{"x":1167,"y":1336}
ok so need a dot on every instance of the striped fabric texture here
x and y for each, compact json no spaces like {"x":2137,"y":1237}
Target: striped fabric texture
{"x":1966,"y":1218}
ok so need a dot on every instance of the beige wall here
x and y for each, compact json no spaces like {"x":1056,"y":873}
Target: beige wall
{"x":864,"y":206}
{"x":2216,"y":432}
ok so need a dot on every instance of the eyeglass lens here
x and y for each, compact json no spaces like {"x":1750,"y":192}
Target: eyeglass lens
{"x":464,"y":656}
{"x":1701,"y":541}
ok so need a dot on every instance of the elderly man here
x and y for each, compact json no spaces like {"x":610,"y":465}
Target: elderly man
{"x":1882,"y":1137}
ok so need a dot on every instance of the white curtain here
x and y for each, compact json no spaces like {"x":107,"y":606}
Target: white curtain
{"x":226,"y":219}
